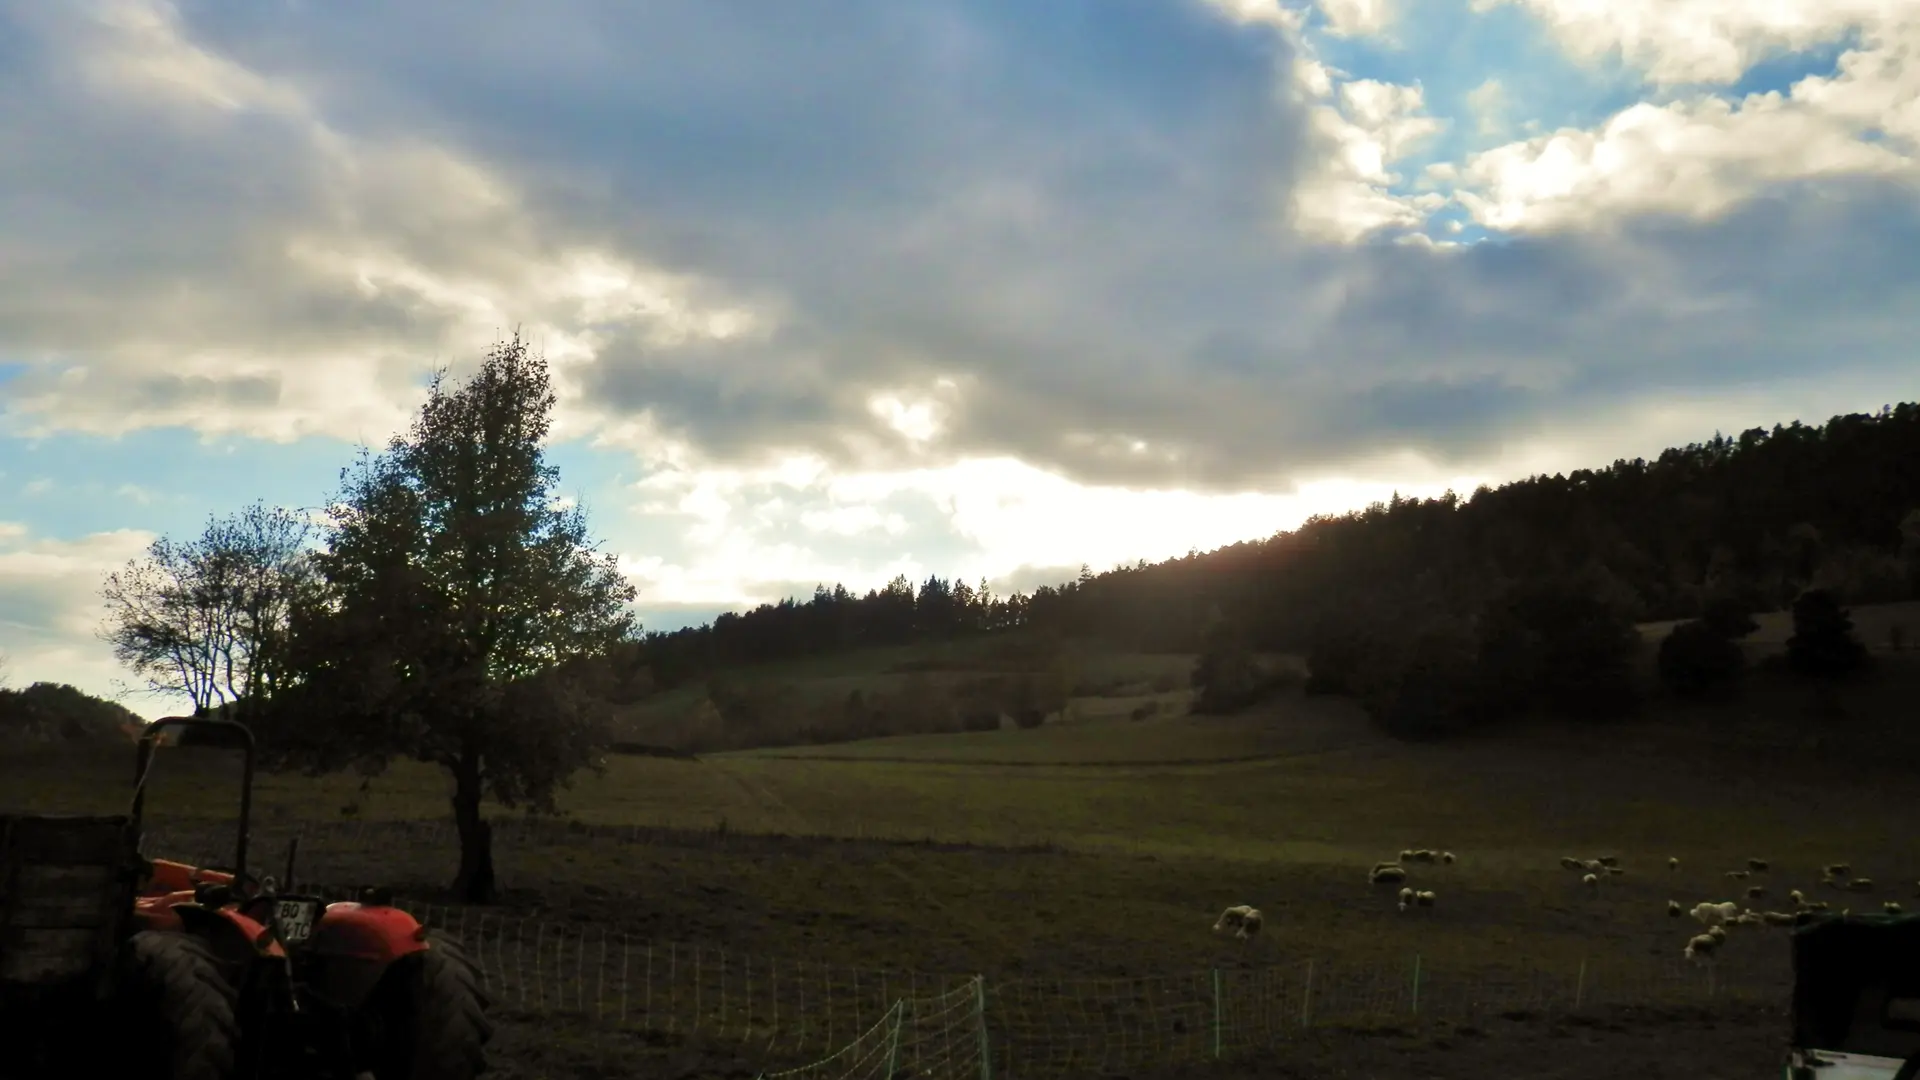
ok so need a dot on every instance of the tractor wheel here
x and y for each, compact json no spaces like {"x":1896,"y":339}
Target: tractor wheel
{"x":431,"y":1015}
{"x":175,"y":1009}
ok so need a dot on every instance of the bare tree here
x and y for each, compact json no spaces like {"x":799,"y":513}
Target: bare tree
{"x":208,"y":618}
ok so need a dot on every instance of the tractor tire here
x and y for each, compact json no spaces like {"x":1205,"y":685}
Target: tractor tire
{"x":174,"y":1009}
{"x":432,"y":1016}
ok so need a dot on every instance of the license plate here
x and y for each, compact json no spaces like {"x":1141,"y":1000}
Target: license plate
{"x":293,"y":920}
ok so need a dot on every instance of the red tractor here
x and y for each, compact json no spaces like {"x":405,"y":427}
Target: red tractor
{"x":214,"y":974}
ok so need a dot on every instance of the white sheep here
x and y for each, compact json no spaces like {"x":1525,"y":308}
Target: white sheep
{"x":1700,"y":947}
{"x":1673,"y":863}
{"x":1861,"y":884}
{"x":1616,"y":870}
{"x":1757,"y":865}
{"x":1674,"y":909}
{"x":1423,"y":898}
{"x":1387,"y":875}
{"x":1817,"y":905}
{"x":1891,"y":907}
{"x":1406,"y":898}
{"x":1591,"y":881}
{"x":1738,"y":875}
{"x":1568,"y":862}
{"x":1796,"y":896}
{"x":1447,"y":857}
{"x":1608,"y":860}
{"x":1779,"y":918}
{"x":1755,"y":892}
{"x":1838,"y":870}
{"x":1419,"y":855}
{"x":1711,"y":915}
{"x":1243,"y":920}
{"x":1593,"y":866}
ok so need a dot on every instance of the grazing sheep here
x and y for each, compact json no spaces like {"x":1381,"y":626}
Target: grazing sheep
{"x":1591,"y":881}
{"x":1757,"y":865}
{"x":1673,"y":863}
{"x":1243,"y":920}
{"x":1615,"y":870}
{"x":1745,"y":918}
{"x":1674,"y":909}
{"x":1608,"y":860}
{"x":1447,"y":857}
{"x":1755,"y":892}
{"x":1779,"y":918}
{"x":1891,"y":907}
{"x":1568,"y":862}
{"x":1423,"y":898}
{"x":1838,"y":870}
{"x":1861,"y":884}
{"x":1712,"y":915}
{"x":1387,"y":875}
{"x":1738,"y":875}
{"x":1593,"y":866}
{"x":1384,"y":865}
{"x":1817,"y":905}
{"x":1406,"y":898}
{"x":1700,"y":947}
{"x":1833,"y":882}
{"x":1796,"y":896}
{"x":1419,"y":855}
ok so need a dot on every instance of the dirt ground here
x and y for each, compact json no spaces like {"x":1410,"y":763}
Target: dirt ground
{"x":1730,"y":1043}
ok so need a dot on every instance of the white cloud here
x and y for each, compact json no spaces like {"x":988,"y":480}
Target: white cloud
{"x":50,"y":608}
{"x":1271,"y":13}
{"x":1703,"y":155}
{"x":1488,"y":102}
{"x":1343,"y":194}
{"x":1354,"y":18}
{"x":1702,"y":41}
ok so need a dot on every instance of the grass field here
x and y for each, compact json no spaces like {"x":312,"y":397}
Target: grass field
{"x":1104,"y":846}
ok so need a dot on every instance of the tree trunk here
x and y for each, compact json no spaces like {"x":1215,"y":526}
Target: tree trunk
{"x":474,"y":883}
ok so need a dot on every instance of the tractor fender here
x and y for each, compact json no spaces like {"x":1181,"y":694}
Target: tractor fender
{"x":236,"y":940}
{"x":355,"y":943}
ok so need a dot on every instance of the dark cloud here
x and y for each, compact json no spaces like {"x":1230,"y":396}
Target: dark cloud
{"x":1072,"y":209}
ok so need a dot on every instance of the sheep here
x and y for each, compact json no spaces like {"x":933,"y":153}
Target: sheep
{"x":1615,"y":871}
{"x":1700,"y":947}
{"x":1418,"y":855}
{"x":1832,"y":882}
{"x":1755,"y":892}
{"x":1568,"y":862}
{"x":1243,"y":920}
{"x":1384,"y":865}
{"x":1712,"y":915}
{"x":1406,"y":898}
{"x":1738,"y":875}
{"x":1447,"y":857}
{"x":1608,"y":860}
{"x":1758,"y":866}
{"x":1796,"y":896}
{"x":1593,"y":866}
{"x":1423,"y":898}
{"x":1590,"y":881}
{"x":1745,"y":918}
{"x":1778,"y":918}
{"x":1674,"y":910}
{"x":1837,"y":870}
{"x":1891,"y":907}
{"x":1673,"y":863}
{"x":1817,"y":905}
{"x":1861,"y":884}
{"x":1387,"y":875}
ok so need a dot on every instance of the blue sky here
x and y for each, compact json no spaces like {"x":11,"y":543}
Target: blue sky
{"x":835,"y":291}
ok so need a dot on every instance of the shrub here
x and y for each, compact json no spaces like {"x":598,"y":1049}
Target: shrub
{"x":1697,"y":659}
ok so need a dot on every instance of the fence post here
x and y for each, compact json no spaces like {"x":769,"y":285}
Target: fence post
{"x":1580,"y":985}
{"x":1416,"y":984}
{"x":980,"y":1015}
{"x":1306,"y":999}
{"x":1216,"y":1014}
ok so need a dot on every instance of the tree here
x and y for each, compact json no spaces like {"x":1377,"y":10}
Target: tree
{"x":465,"y":618}
{"x":1697,"y":658}
{"x":208,"y":618}
{"x":1730,"y":617}
{"x":1823,"y":645}
{"x":1555,"y":644}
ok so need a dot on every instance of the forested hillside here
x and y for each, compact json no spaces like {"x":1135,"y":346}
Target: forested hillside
{"x":1758,"y":517}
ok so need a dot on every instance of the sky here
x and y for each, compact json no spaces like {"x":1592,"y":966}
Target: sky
{"x":977,"y":288}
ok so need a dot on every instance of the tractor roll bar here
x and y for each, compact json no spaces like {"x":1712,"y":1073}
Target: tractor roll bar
{"x":143,"y":759}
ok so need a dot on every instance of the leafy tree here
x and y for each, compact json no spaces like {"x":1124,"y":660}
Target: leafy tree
{"x":1823,"y":645}
{"x":1423,"y":682}
{"x":465,"y":619}
{"x":57,"y":712}
{"x":1729,"y":617}
{"x":1226,"y":673}
{"x":208,"y":618}
{"x":1554,"y":644}
{"x":1697,"y":658}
